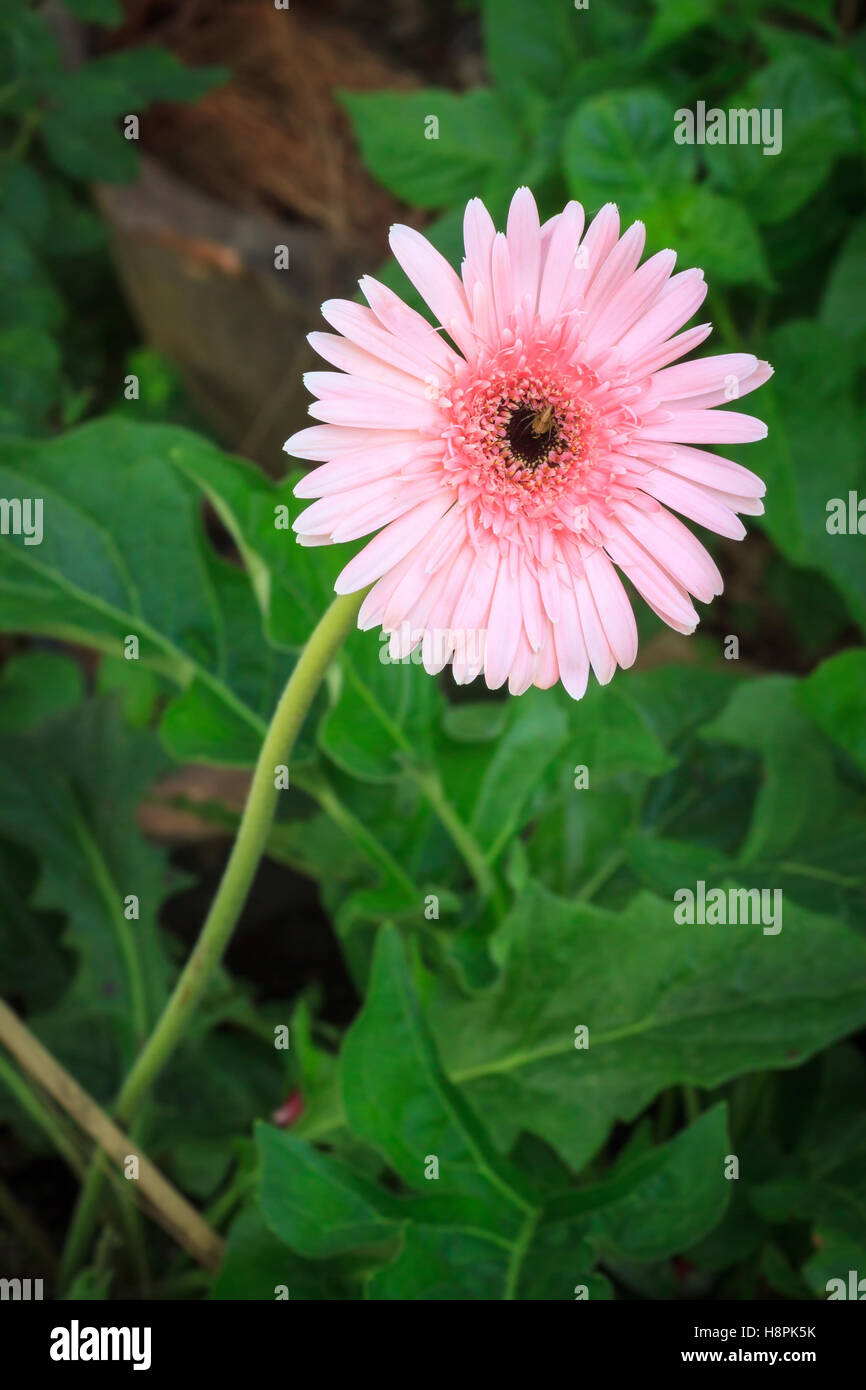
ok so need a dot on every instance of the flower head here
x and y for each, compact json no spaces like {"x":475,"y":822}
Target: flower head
{"x":511,"y":475}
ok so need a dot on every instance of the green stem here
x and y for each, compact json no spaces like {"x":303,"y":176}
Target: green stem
{"x":55,"y":1128}
{"x":222,"y":1207}
{"x":429,"y":784}
{"x":354,"y":829}
{"x":465,"y":841}
{"x":43,"y":1115}
{"x":126,"y":941}
{"x":237,"y":878}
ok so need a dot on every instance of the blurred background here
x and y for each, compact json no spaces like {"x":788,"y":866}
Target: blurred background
{"x":183,"y":182}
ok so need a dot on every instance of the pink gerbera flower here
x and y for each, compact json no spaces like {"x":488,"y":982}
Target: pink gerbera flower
{"x":510,"y":478}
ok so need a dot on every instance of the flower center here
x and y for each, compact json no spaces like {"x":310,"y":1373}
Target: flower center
{"x":532,"y":433}
{"x":523,"y":438}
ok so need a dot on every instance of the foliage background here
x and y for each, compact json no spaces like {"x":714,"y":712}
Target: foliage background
{"x":452,"y":1037}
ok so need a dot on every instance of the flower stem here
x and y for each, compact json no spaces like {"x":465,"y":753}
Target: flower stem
{"x":231,"y":895}
{"x":473,"y":855}
{"x":246,"y":852}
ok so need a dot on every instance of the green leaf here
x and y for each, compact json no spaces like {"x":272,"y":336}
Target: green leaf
{"x":34,"y":965}
{"x":800,"y":787}
{"x":90,"y":1285}
{"x":666,"y":865}
{"x":118,"y":501}
{"x":674,"y":1195}
{"x":257,"y":1265}
{"x":30,"y":383}
{"x":535,"y":734}
{"x":809,"y":407}
{"x":478,"y":1232}
{"x":105,"y":12}
{"x":29,"y":59}
{"x":35,"y":686}
{"x":382,"y":713}
{"x":29,"y":298}
{"x":834,"y":697}
{"x":843,"y":307}
{"x":68,"y":794}
{"x":314,"y":1203}
{"x":611,"y":734}
{"x":816,"y":128}
{"x":434,"y":166}
{"x":533,"y":52}
{"x":664,"y":1005}
{"x":24,"y":200}
{"x":674,"y":19}
{"x":710,"y":231}
{"x":397,"y":1098}
{"x":442,"y":1264}
{"x":624,"y":734}
{"x":214,"y":1089}
{"x":657,"y":1206}
{"x":476,"y":721}
{"x":619,"y":148}
{"x":822,"y":1178}
{"x":80,"y":127}
{"x":676,"y":700}
{"x":807,"y":835}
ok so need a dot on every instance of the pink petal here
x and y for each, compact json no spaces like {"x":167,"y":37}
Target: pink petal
{"x":666,"y":597}
{"x":345,"y":400}
{"x":742,"y":387}
{"x":613,"y":606}
{"x":478,"y":234}
{"x":570,"y":648}
{"x":694,"y":502}
{"x":601,"y":657}
{"x":523,"y":667}
{"x":357,"y":512}
{"x":659,"y":354}
{"x":503,"y":628}
{"x":356,"y":466}
{"x":524,"y":247}
{"x":395,"y":315}
{"x":707,"y":374}
{"x":631,"y":300}
{"x":600,"y":239}
{"x":419,"y":350}
{"x":436,"y":282}
{"x":560,"y":277}
{"x":711,"y":470}
{"x":706,"y":427}
{"x":681,"y":554}
{"x":682,"y":297}
{"x":360,"y":363}
{"x":547,"y":666}
{"x":392,"y":544}
{"x":326,"y":441}
{"x":613,"y":272}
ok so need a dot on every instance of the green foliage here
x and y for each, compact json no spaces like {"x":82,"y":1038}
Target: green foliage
{"x":548,"y":1072}
{"x":476,"y":1227}
{"x":61,"y":130}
